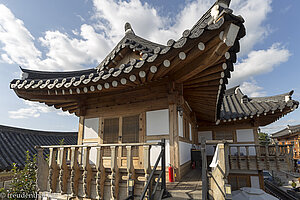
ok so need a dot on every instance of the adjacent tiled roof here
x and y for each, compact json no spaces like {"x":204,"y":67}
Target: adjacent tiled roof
{"x":14,"y":142}
{"x":289,"y":130}
{"x":106,"y":76}
{"x":237,"y":106}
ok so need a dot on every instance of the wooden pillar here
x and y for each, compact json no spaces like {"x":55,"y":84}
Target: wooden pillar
{"x":174,"y":139}
{"x":80,"y":130}
{"x":204,"y":169}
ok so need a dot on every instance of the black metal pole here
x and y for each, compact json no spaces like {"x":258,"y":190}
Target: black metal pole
{"x":163,"y":164}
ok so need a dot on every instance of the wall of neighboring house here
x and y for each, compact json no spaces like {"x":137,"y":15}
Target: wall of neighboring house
{"x":240,"y":134}
{"x":294,"y":139}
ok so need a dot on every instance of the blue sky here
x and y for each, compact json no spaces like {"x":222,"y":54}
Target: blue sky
{"x":71,"y":35}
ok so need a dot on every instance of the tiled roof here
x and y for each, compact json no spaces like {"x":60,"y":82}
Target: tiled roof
{"x":286,"y":131}
{"x":237,"y":106}
{"x":156,"y":61}
{"x":14,"y":142}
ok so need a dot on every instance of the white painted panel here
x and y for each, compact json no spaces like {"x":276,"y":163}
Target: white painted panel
{"x":255,"y":182}
{"x":93,"y":152}
{"x":157,"y":122}
{"x":190,"y":130}
{"x":91,"y":127}
{"x":208,"y":136}
{"x":184,"y":152}
{"x":245,"y":135}
{"x":180,"y":125}
{"x":233,"y":150}
{"x":155,"y":151}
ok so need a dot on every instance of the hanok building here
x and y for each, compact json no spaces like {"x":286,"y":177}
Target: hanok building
{"x":143,"y":92}
{"x":289,"y":135}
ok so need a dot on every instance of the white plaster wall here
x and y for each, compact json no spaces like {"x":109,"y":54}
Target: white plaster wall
{"x":190,"y":130}
{"x":255,"y":182}
{"x":245,"y":135}
{"x":91,"y":127}
{"x":184,"y":152}
{"x":242,"y":150}
{"x":157,"y":122}
{"x":155,"y":151}
{"x":210,"y":150}
{"x":180,"y":125}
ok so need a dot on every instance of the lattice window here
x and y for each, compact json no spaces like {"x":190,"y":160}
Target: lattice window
{"x":130,"y":132}
{"x":110,"y":133}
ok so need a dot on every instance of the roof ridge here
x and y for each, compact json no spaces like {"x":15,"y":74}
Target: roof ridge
{"x":35,"y":132}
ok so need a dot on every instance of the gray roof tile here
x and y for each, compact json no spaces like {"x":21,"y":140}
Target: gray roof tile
{"x":14,"y":142}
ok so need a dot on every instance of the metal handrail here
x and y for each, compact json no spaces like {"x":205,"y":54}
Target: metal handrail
{"x":162,"y":174}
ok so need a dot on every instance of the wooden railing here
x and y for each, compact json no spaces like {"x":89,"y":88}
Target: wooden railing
{"x":259,"y":157}
{"x":83,"y":171}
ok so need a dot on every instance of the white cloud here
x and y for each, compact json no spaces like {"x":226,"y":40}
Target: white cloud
{"x":17,"y":42}
{"x":255,"y":13}
{"x":251,"y":89}
{"x":94,"y":41}
{"x":34,"y":110}
{"x":259,"y":62}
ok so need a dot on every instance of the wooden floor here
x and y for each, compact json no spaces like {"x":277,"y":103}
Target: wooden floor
{"x":190,"y":186}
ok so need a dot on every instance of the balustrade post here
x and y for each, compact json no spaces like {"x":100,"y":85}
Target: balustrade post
{"x":147,"y":168}
{"x":238,"y":157}
{"x":100,"y":176}
{"x":74,"y":168}
{"x":114,"y":174}
{"x":42,"y":171}
{"x":61,"y":160}
{"x":130,"y":172}
{"x":86,"y":168}
{"x":52,"y":170}
{"x":247,"y":156}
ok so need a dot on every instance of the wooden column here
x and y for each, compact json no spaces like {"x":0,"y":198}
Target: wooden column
{"x":80,"y":130}
{"x":276,"y":156}
{"x":142,"y":136}
{"x":114,"y":174}
{"x":100,"y":175}
{"x":174,"y":139}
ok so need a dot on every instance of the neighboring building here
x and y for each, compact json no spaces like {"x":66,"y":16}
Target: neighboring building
{"x":289,"y":135}
{"x":240,"y":118}
{"x":14,"y":142}
{"x":143,"y":92}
